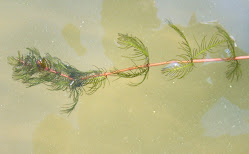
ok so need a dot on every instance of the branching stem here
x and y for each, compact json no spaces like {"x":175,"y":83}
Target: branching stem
{"x":150,"y":65}
{"x":53,"y":71}
{"x":168,"y":62}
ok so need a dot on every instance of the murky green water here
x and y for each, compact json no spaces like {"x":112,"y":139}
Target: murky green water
{"x":201,"y":113}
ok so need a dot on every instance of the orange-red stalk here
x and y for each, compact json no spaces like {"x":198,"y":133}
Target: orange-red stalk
{"x":168,"y":62}
{"x":149,"y":65}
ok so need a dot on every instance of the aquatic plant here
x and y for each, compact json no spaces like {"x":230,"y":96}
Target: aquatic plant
{"x":33,"y":69}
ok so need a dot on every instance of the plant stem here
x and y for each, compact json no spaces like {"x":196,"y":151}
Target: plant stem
{"x":52,"y":71}
{"x":150,"y":65}
{"x":168,"y":62}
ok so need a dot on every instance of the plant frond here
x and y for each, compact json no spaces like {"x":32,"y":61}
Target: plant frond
{"x":125,"y":41}
{"x":68,"y":108}
{"x":141,"y":53}
{"x":205,"y":46}
{"x":229,"y":40}
{"x":32,"y":69}
{"x":94,"y":84}
{"x":234,"y":70}
{"x":177,"y":70}
{"x":145,"y":73}
{"x":184,"y":45}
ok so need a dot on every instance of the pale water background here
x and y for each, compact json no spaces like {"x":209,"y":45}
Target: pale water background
{"x":201,"y":113}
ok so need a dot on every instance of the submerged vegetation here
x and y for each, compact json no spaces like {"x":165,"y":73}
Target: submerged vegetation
{"x":33,"y":69}
{"x":221,"y":37}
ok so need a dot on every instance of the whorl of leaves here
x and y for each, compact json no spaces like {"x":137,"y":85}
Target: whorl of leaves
{"x":27,"y":69}
{"x":140,"y":53}
{"x":234,"y":70}
{"x":181,"y":69}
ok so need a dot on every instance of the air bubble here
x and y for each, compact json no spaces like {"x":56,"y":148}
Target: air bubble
{"x":228,"y":52}
{"x":171,"y":65}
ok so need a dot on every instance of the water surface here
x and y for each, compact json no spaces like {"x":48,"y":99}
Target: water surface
{"x":203,"y":112}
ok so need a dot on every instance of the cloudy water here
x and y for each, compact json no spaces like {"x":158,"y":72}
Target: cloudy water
{"x":200,"y":113}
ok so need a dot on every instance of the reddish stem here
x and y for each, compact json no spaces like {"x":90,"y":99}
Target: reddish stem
{"x":168,"y":62}
{"x":51,"y":70}
{"x":148,"y":65}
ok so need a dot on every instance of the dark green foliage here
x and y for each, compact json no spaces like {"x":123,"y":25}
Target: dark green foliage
{"x":29,"y":70}
{"x":205,"y":47}
{"x":181,"y":69}
{"x":234,"y":70}
{"x":125,"y":41}
{"x":184,"y":45}
{"x":141,"y":53}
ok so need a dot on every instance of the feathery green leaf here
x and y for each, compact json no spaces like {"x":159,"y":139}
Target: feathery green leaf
{"x":32,"y":69}
{"x":234,"y":70}
{"x":141,"y":53}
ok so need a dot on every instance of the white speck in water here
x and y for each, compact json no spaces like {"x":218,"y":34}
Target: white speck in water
{"x":52,"y":41}
{"x":173,"y":82}
{"x":83,"y":22}
{"x":230,"y":86}
{"x":46,"y":28}
{"x":154,"y":111}
{"x":2,"y":107}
